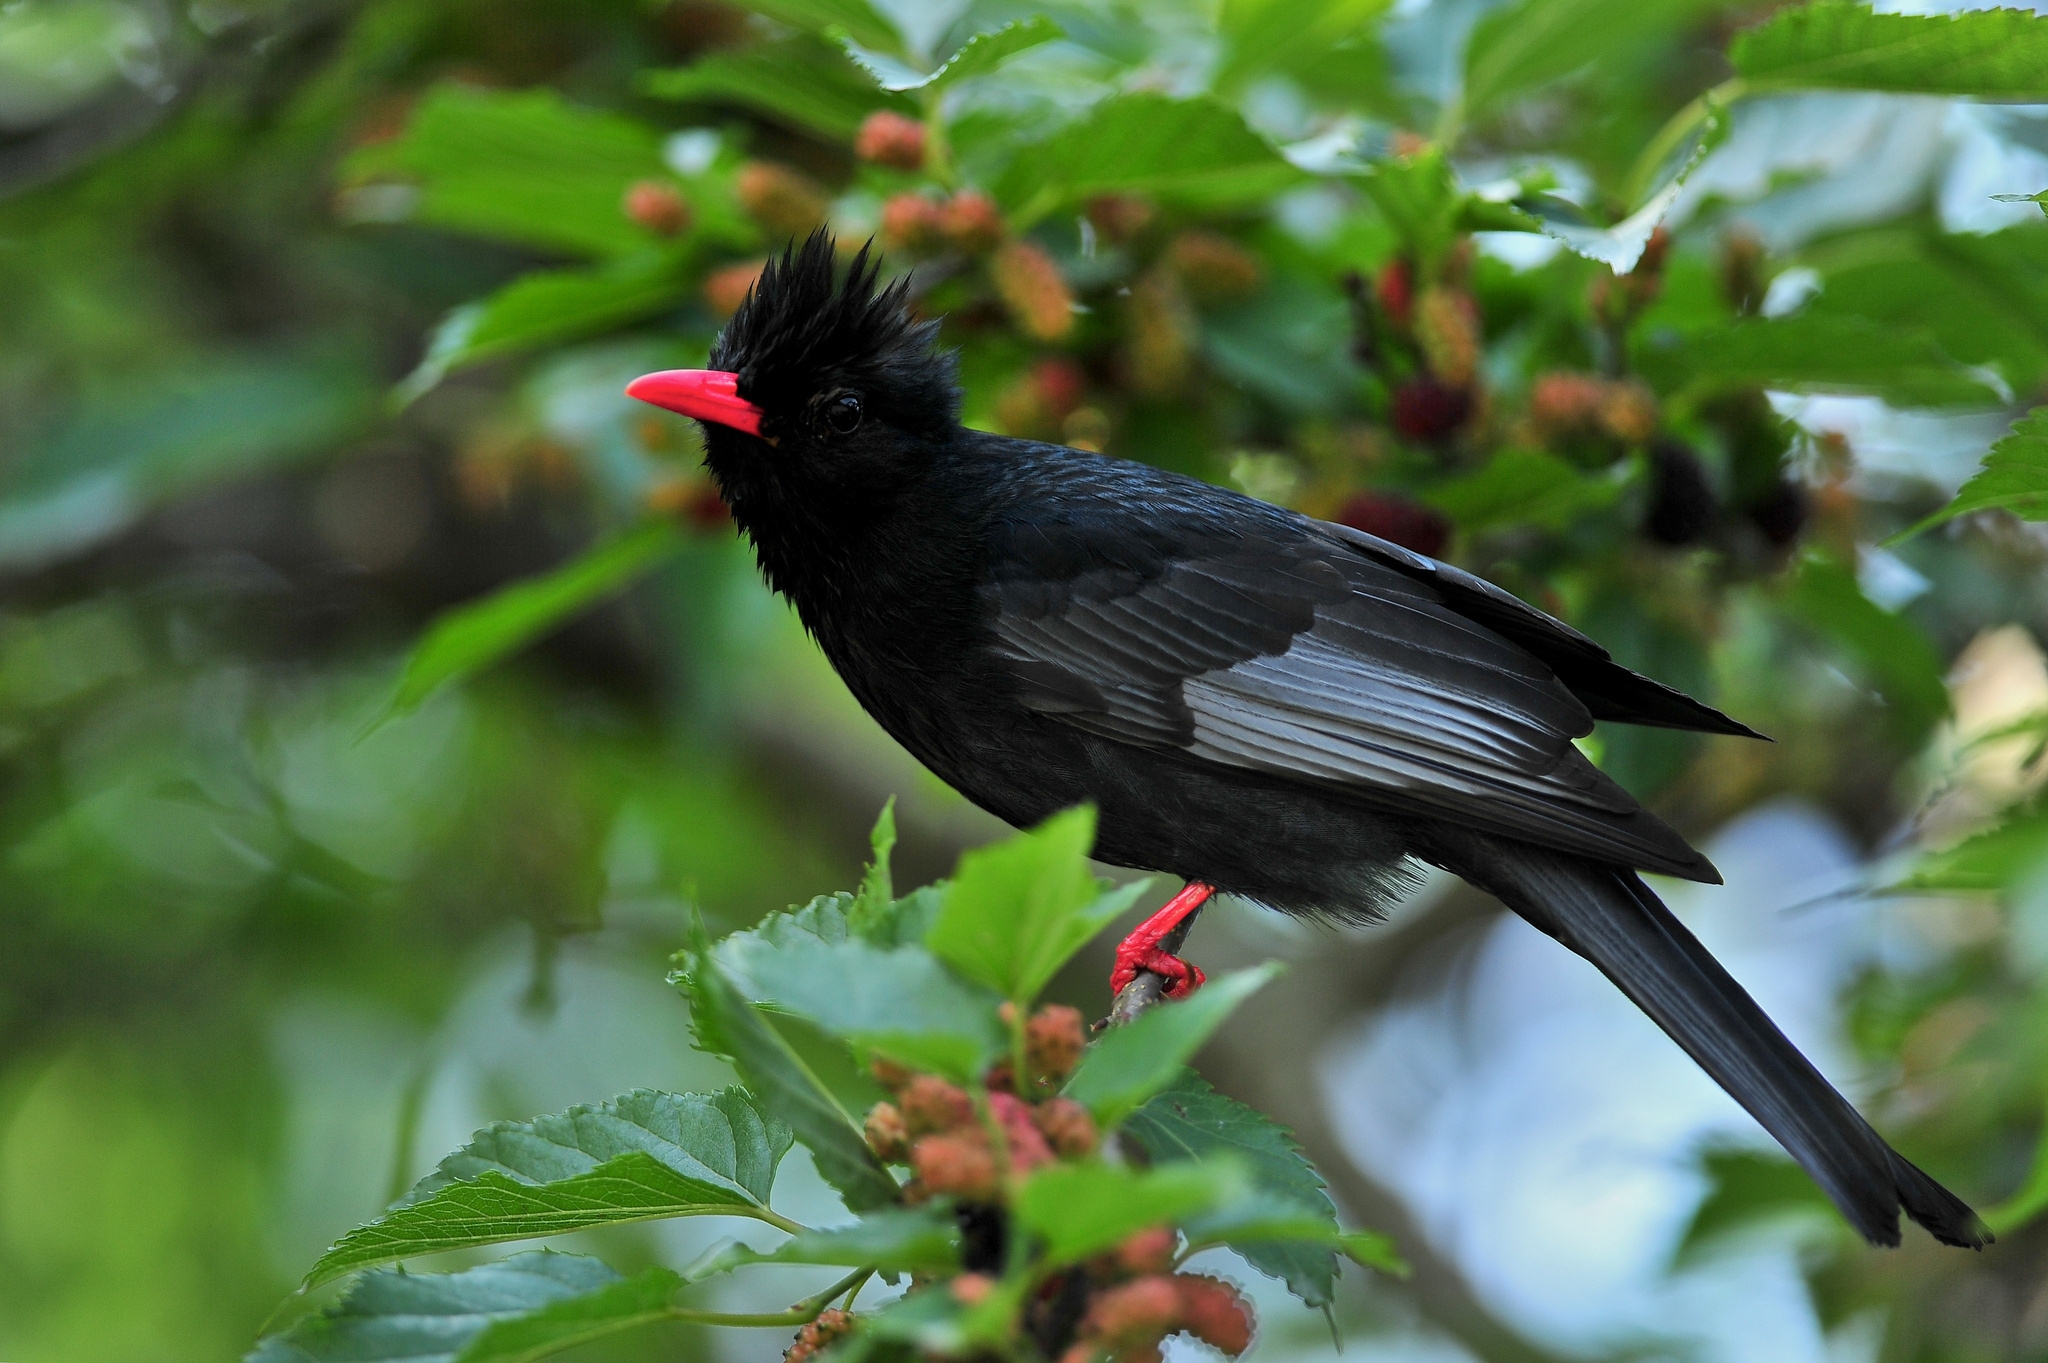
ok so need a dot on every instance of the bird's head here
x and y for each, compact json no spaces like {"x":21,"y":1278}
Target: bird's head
{"x":819,"y":383}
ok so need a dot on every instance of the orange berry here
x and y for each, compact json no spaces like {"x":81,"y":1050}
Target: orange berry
{"x":889,"y":139}
{"x":657,"y":206}
{"x":1214,"y":1312}
{"x":958,"y":1165}
{"x":1447,"y":330}
{"x":911,"y":222}
{"x":1119,"y":217}
{"x":727,"y":287}
{"x":819,"y":1335}
{"x":931,"y":1104}
{"x":1564,"y":403}
{"x":1067,"y":1126}
{"x":1213,"y":265}
{"x":887,"y":1135}
{"x":971,"y":221}
{"x":971,"y":1289}
{"x":889,"y":1074}
{"x":785,"y":201}
{"x":1031,"y":287}
{"x":1053,"y":1039}
{"x":1628,"y":412}
{"x":1149,"y":1251}
{"x":1140,"y":1312}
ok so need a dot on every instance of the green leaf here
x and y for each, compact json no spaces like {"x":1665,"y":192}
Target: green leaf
{"x":470,"y":638}
{"x":1419,"y":197}
{"x":939,"y":1325}
{"x":1078,"y":1210}
{"x":2039,"y":200}
{"x":1270,"y":1230}
{"x":1891,"y":651}
{"x":1133,"y":1062}
{"x":1288,"y":37}
{"x":855,"y":19}
{"x":1748,"y":1186}
{"x":901,"y":1002}
{"x":2013,"y":477}
{"x":905,"y":1240}
{"x":1196,"y":152}
{"x":726,"y":1024}
{"x":877,"y":889}
{"x":546,"y":307}
{"x":1190,"y":1121}
{"x":1810,"y":352}
{"x":985,"y":52}
{"x":1989,"y":54}
{"x":803,"y":80}
{"x":523,"y":166}
{"x":540,"y":1300}
{"x":1018,"y":910}
{"x":1521,"y":487}
{"x":640,"y":1157}
{"x":1983,"y":863}
{"x":1530,"y":43}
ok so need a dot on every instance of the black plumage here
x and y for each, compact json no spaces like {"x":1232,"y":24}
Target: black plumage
{"x":1288,"y":710}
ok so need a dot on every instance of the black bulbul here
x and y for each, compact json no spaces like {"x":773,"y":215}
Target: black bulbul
{"x":1264,"y":704}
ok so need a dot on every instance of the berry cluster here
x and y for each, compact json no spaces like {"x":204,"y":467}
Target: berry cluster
{"x":1118,"y":1306}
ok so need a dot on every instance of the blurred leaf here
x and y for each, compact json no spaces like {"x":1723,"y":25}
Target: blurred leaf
{"x":803,"y":80}
{"x":1133,"y":1062}
{"x":726,"y":1024}
{"x":2013,"y":477}
{"x":856,"y":19}
{"x":163,"y":435}
{"x":2039,"y":200}
{"x":1419,"y":196}
{"x":900,"y":1002}
{"x":938,"y":1324}
{"x":906,"y":1240}
{"x":1192,"y":1121}
{"x":1288,"y":344}
{"x":1079,"y":1210}
{"x":1288,"y":37}
{"x":978,"y":56}
{"x":1814,"y":353}
{"x":1982,"y":297}
{"x":1521,"y":487}
{"x":1749,"y":1186}
{"x":1990,"y":54}
{"x":1893,"y":654}
{"x":1530,"y":43}
{"x":2028,"y":1201}
{"x":640,"y":1157}
{"x":467,"y":639}
{"x":1197,"y":152}
{"x":1269,"y":1227}
{"x":545,"y":307}
{"x":516,"y":1309}
{"x":1018,"y":910}
{"x":1983,"y":863}
{"x":524,"y":166}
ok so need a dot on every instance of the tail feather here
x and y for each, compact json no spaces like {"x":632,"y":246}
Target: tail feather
{"x":1607,"y":915}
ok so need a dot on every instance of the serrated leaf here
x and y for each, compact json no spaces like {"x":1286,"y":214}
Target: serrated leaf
{"x":1521,"y":487}
{"x":1419,"y":197}
{"x":466,"y":640}
{"x":901,"y":1002}
{"x":805,"y":81}
{"x":523,"y":166}
{"x":986,"y":52}
{"x":726,"y":1024}
{"x":1989,"y":54}
{"x":547,"y":307}
{"x":2013,"y":477}
{"x":1079,"y":1210}
{"x":1288,"y":37}
{"x":1982,"y":863}
{"x":1530,"y":43}
{"x":877,"y":886}
{"x":389,"y":1315}
{"x":1196,"y":152}
{"x":1816,"y":353}
{"x":492,"y":1209}
{"x":1133,"y":1062}
{"x":1190,"y":1121}
{"x":856,"y":19}
{"x":905,"y":1240}
{"x":1017,"y":911}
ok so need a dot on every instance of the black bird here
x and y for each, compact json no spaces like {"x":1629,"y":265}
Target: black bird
{"x":1258,"y":702}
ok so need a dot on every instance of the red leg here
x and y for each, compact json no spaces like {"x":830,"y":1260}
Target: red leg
{"x":1140,"y":950}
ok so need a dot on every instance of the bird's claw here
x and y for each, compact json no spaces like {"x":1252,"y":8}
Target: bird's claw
{"x":1133,"y":957}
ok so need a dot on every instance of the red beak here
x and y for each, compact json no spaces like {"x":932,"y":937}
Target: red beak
{"x":706,"y":394}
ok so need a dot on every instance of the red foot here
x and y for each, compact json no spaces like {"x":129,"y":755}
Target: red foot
{"x":1140,"y":950}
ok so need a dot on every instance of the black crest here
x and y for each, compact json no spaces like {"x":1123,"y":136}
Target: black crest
{"x":802,"y":329}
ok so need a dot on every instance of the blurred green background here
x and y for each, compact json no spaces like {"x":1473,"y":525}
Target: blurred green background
{"x":313,"y":320}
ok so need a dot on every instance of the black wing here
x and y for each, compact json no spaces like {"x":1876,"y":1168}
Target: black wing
{"x":1189,"y":619}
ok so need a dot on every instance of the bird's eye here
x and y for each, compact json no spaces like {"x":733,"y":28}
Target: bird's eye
{"x":843,"y":414}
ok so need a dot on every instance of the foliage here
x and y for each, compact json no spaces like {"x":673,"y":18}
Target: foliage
{"x":1012,"y":1198}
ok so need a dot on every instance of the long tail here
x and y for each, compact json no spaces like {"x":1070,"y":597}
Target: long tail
{"x":1607,"y":915}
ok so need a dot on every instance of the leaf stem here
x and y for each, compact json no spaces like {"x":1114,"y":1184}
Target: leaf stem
{"x":778,"y":1220}
{"x":1681,"y":125}
{"x":803,"y":1313}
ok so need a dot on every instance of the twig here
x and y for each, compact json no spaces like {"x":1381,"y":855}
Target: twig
{"x":1149,"y":986}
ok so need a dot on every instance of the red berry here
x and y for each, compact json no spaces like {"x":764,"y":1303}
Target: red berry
{"x":971,"y":221}
{"x":657,"y":206}
{"x":1214,"y":1312}
{"x":889,"y":139}
{"x":1430,"y":412}
{"x":931,"y":1104}
{"x":1395,"y":289}
{"x":1407,"y":523}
